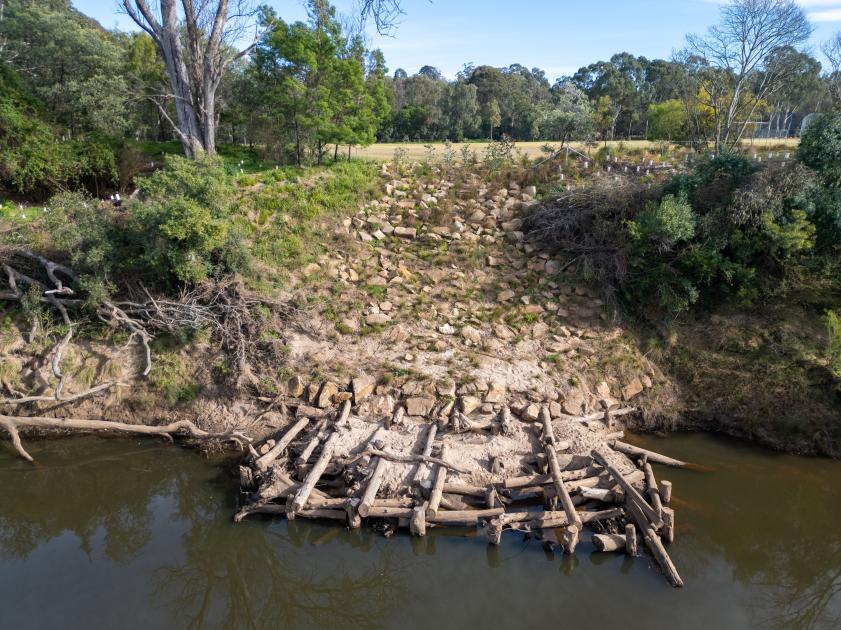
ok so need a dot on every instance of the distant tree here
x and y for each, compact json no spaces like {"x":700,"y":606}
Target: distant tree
{"x":832,"y":50}
{"x":569,"y":117}
{"x":803,"y":89}
{"x":431,"y":72}
{"x":726,"y":64}
{"x":492,"y":116}
{"x":463,"y":111}
{"x":667,"y":121}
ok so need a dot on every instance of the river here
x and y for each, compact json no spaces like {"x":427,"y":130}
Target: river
{"x":124,"y":533}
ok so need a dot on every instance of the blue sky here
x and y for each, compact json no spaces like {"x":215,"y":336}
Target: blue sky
{"x":558,"y":36}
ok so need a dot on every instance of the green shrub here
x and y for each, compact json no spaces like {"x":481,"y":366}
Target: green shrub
{"x":820,"y":147}
{"x":182,"y":230}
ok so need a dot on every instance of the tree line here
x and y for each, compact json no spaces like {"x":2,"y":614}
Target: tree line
{"x":233,"y":72}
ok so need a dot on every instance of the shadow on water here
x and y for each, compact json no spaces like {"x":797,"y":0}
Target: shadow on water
{"x":135,"y":534}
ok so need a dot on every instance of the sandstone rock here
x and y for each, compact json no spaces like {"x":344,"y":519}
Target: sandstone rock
{"x":468,"y":404}
{"x":505,"y":296}
{"x":419,"y":406}
{"x":446,"y":329}
{"x":530,"y":190}
{"x":446,"y":389}
{"x":555,"y":409}
{"x":311,"y":269}
{"x":574,"y":404}
{"x":603,"y":389}
{"x":405,"y":232}
{"x":496,"y":392}
{"x":632,"y":389}
{"x":646,"y":381}
{"x":326,"y":393}
{"x":295,"y":387}
{"x":471,"y":334}
{"x":382,"y":405}
{"x":531,"y":413}
{"x":377,"y":319}
{"x":362,"y":387}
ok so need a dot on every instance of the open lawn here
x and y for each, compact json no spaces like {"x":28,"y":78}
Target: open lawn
{"x":418,"y":150}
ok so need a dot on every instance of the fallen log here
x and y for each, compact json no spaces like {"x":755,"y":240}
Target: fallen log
{"x":344,"y":412}
{"x":407,"y":459}
{"x":653,"y":490}
{"x":655,"y":546}
{"x":437,"y":487}
{"x":636,"y":451}
{"x":417,"y":523}
{"x":630,"y":491}
{"x":665,"y":491}
{"x":465,"y":489}
{"x":427,"y":451}
{"x":668,"y":525}
{"x":463,"y":516}
{"x":603,"y":495}
{"x":301,"y":497}
{"x":263,"y":462}
{"x":560,"y":488}
{"x":13,"y":423}
{"x":376,"y":511}
{"x":541,"y":480}
{"x":631,"y":540}
{"x":379,"y":466}
{"x":609,"y":542}
{"x":586,"y":517}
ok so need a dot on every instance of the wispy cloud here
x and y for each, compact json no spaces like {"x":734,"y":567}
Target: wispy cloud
{"x":830,"y":15}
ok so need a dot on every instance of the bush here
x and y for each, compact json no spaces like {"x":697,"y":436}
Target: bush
{"x":833,"y":331}
{"x":820,"y":147}
{"x":179,"y":233}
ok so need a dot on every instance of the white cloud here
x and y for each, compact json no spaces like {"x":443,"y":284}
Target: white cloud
{"x":830,"y":15}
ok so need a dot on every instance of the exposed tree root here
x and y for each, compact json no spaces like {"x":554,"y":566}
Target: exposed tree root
{"x":13,"y":423}
{"x":75,"y":397}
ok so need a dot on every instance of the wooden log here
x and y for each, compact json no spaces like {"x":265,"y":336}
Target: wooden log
{"x":604,"y":495}
{"x":653,"y":490}
{"x":334,"y":515}
{"x":540,"y":480}
{"x":396,"y":417}
{"x":494,"y":531}
{"x":427,"y":451}
{"x":374,"y":481}
{"x":318,"y":503}
{"x":437,"y":487}
{"x":464,"y":516}
{"x":630,"y":540}
{"x":372,"y":487}
{"x":309,"y":449}
{"x":276,"y":451}
{"x":665,"y":491}
{"x":314,"y":474}
{"x":407,"y":459}
{"x":610,"y":542}
{"x":465,"y":490}
{"x":560,"y":488}
{"x":654,"y":544}
{"x":417,"y":524}
{"x":631,"y":492}
{"x":636,"y":451}
{"x":586,"y":517}
{"x":246,"y":478}
{"x":569,"y":539}
{"x":668,"y":525}
{"x":389,"y":512}
{"x":344,"y":412}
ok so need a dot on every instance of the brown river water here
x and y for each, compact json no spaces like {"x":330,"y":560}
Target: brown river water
{"x":123,"y":533}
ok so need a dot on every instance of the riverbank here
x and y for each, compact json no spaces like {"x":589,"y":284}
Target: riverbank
{"x":418,"y":279}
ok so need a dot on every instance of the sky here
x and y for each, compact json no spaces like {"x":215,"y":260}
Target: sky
{"x":558,"y":36}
